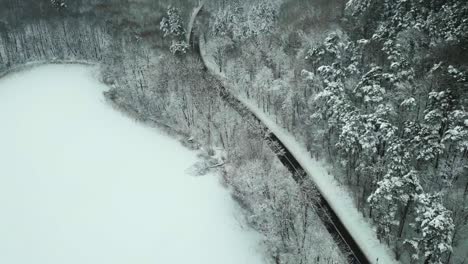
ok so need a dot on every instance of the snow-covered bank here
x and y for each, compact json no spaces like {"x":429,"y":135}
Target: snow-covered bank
{"x":339,"y":198}
{"x":81,"y":183}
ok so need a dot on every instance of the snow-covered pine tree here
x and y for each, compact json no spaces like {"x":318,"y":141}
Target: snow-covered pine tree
{"x":436,"y":226}
{"x":171,"y":26}
{"x":369,"y":90}
{"x":393,"y":200}
{"x":172,"y":23}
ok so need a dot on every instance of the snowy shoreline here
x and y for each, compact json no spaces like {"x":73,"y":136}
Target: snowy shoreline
{"x":122,"y":108}
{"x":121,"y":189}
{"x":32,"y":64}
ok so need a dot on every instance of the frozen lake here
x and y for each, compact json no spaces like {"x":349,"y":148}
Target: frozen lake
{"x":81,"y":183}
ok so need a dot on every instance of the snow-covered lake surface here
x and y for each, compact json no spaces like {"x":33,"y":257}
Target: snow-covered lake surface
{"x":81,"y":183}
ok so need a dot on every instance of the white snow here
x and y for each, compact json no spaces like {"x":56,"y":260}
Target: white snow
{"x":81,"y":183}
{"x":337,"y":196}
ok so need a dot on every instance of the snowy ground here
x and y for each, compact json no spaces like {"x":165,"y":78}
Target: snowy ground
{"x":80,"y":183}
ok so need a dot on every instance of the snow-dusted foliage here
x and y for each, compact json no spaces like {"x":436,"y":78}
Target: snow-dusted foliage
{"x":37,"y":42}
{"x":172,"y":27}
{"x":172,"y":23}
{"x":436,"y":226}
{"x":282,"y":211}
{"x":179,"y":47}
{"x":441,"y":20}
{"x":262,"y":18}
{"x":392,"y":194}
{"x":384,"y":99}
{"x":242,"y":21}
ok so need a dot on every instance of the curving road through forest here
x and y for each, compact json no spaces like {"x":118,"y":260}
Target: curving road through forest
{"x":334,"y":225}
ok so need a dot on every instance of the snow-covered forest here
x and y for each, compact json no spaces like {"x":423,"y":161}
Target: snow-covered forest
{"x":376,"y":90}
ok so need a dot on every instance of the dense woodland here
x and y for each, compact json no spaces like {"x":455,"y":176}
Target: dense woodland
{"x":376,"y":88}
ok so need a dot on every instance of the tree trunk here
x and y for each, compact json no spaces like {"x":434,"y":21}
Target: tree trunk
{"x":277,"y":260}
{"x":426,"y":261}
{"x":449,"y":257}
{"x":466,"y":190}
{"x":403,"y":218}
